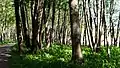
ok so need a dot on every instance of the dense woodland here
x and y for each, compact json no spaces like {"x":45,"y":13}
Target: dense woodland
{"x":67,"y":33}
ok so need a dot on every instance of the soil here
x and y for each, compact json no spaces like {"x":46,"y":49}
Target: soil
{"x":4,"y":54}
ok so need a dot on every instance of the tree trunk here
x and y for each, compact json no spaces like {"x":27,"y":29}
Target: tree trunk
{"x":75,"y":31}
{"x":47,"y":34}
{"x":18,"y":25}
{"x":53,"y":20}
{"x":64,"y":27}
{"x":36,"y":19}
{"x":111,"y":21}
{"x":25,"y":25}
{"x":58,"y":26}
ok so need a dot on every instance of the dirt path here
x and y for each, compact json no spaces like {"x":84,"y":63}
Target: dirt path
{"x":4,"y":54}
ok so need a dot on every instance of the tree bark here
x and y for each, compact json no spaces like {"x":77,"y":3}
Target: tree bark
{"x":75,"y":31}
{"x":18,"y":25}
{"x":36,"y":19}
{"x":53,"y":20}
{"x":25,"y":25}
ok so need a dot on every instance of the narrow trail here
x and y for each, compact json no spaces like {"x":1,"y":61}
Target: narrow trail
{"x":4,"y":54}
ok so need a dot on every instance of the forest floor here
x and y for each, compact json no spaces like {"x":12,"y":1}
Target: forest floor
{"x":4,"y":55}
{"x":59,"y":56}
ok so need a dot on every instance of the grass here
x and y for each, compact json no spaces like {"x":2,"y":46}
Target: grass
{"x":58,"y":56}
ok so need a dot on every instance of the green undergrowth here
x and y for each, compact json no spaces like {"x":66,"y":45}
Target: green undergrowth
{"x":6,"y":42}
{"x":59,"y":56}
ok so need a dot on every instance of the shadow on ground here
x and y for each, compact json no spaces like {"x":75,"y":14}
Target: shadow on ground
{"x":4,"y":55}
{"x":22,"y":62}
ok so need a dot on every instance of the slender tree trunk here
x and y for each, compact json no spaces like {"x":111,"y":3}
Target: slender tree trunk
{"x":90,"y":26}
{"x":25,"y":25}
{"x":18,"y":25}
{"x":47,"y":32}
{"x":111,"y":22}
{"x":36,"y":15}
{"x":53,"y":20}
{"x":85,"y":23}
{"x":118,"y":29}
{"x":64,"y":27}
{"x":96,"y":22}
{"x":104,"y":22}
{"x":99,"y":37}
{"x":58,"y":26}
{"x":41,"y":27}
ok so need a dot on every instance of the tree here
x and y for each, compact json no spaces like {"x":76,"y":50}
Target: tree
{"x":111,"y":21}
{"x":25,"y":23}
{"x":36,"y":20}
{"x":53,"y":20}
{"x":18,"y":25}
{"x":75,"y":31}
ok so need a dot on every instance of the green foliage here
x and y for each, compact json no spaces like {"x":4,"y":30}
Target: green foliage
{"x":7,"y":16}
{"x":58,"y":56}
{"x":7,"y":19}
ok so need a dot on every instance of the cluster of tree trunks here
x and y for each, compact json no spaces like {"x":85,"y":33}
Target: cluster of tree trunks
{"x":50,"y":24}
